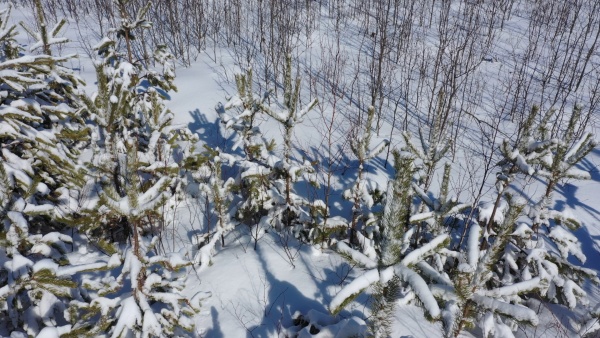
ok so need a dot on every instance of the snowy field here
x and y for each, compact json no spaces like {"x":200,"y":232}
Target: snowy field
{"x":258,"y":283}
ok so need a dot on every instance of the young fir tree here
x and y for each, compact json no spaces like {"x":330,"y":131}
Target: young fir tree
{"x":133,"y":177}
{"x":552,"y":160}
{"x":516,"y":247}
{"x":241,"y":114}
{"x":133,"y":141}
{"x":433,"y":213}
{"x":392,"y":242}
{"x":472,"y":297}
{"x":40,"y":132}
{"x":266,"y":181}
{"x":359,"y":193}
{"x":429,"y":151}
{"x":289,"y":171}
{"x":400,"y":270}
{"x":410,"y":219}
{"x":218,"y":194}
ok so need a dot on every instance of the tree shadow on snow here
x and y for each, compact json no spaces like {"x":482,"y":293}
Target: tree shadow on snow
{"x":590,"y":248}
{"x":345,"y":173}
{"x":568,"y":198}
{"x":215,"y":330}
{"x":209,"y":132}
{"x":569,"y":192}
{"x":284,"y":299}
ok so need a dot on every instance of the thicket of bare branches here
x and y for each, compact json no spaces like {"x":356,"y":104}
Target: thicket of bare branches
{"x":463,"y":73}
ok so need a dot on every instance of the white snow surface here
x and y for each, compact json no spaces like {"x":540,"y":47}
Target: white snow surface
{"x":246,"y":291}
{"x":260,"y":290}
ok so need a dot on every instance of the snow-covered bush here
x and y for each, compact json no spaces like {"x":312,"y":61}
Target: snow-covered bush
{"x":525,"y":245}
{"x":134,"y":175}
{"x":287,"y":170}
{"x":429,"y":152}
{"x":133,"y":179}
{"x":515,"y":246}
{"x":519,"y":246}
{"x":219,"y":193}
{"x":144,"y":300}
{"x":240,"y":114}
{"x":397,"y":268}
{"x":265,"y":182}
{"x":40,"y":132}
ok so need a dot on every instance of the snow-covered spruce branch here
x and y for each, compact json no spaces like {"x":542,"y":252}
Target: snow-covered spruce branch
{"x":384,"y":275}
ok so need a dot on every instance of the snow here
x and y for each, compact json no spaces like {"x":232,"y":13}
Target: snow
{"x":523,"y":230}
{"x":105,"y":304}
{"x":572,"y":292}
{"x":38,"y":209}
{"x":356,"y":256}
{"x":567,"y":243}
{"x":45,"y":264}
{"x":576,"y":147}
{"x":353,"y":289}
{"x":18,"y":266}
{"x":255,"y":170}
{"x":579,"y":174}
{"x":72,"y":270}
{"x":519,"y":312}
{"x":115,"y":260}
{"x":522,"y":164}
{"x":473,"y":245}
{"x":204,"y":255}
{"x":433,"y":274}
{"x":335,"y":222}
{"x":514,"y":289}
{"x":418,"y":254}
{"x":420,"y":288}
{"x":129,"y":316}
{"x":245,"y":292}
{"x":487,"y":208}
{"x":377,"y":149}
{"x":18,"y":219}
{"x":327,"y":326}
{"x":54,"y":332}
{"x":151,"y":326}
{"x":252,"y":289}
{"x":422,"y":216}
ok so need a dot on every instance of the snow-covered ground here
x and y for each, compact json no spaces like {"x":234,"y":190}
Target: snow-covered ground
{"x":256,"y":292}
